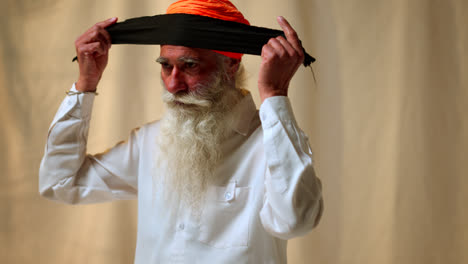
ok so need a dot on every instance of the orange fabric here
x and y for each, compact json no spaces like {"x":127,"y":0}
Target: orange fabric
{"x":219,"y":9}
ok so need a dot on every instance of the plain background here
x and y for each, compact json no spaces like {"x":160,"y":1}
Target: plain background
{"x":386,"y":119}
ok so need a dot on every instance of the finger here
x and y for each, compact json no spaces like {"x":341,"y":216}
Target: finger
{"x":277,"y":47}
{"x":107,"y":36}
{"x":287,"y":46}
{"x":90,"y":49}
{"x":101,"y":37}
{"x":267,"y":52}
{"x":290,"y":33}
{"x":102,"y":24}
{"x":107,"y":22}
{"x":298,"y":55}
{"x":91,"y":35}
{"x":97,"y":34}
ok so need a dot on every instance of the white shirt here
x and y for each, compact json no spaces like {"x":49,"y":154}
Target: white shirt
{"x":272,"y":193}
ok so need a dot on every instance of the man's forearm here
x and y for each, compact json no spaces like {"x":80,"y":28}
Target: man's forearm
{"x":65,"y":150}
{"x":293,"y":192}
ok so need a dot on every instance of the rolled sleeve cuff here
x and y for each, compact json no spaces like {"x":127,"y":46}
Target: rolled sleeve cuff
{"x":274,"y":109}
{"x":82,"y":103}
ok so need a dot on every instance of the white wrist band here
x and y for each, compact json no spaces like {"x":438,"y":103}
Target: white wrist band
{"x":78,"y":92}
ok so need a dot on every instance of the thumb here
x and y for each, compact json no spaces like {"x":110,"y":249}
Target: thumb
{"x":107,"y":22}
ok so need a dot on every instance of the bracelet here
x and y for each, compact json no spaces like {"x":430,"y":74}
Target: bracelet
{"x":78,"y":92}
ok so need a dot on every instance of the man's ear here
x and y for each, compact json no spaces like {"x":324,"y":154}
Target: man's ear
{"x":232,"y":67}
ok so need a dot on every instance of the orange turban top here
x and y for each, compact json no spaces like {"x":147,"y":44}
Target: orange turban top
{"x":219,"y":9}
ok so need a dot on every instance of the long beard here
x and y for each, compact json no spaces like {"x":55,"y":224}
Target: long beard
{"x":190,"y":140}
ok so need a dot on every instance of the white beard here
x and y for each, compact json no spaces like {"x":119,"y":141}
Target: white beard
{"x":190,"y":139}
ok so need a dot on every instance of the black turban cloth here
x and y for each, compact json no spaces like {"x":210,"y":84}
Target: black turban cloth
{"x":196,"y":32}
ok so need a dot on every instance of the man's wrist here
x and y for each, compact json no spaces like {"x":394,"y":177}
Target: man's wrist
{"x":83,"y":86}
{"x":266,"y":95}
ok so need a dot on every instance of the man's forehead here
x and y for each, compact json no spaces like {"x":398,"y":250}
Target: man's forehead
{"x":175,"y":52}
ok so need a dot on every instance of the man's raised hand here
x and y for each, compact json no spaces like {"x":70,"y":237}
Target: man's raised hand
{"x":280,"y":60}
{"x":92,"y":49}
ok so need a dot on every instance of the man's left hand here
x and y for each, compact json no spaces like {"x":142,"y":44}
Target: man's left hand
{"x":280,"y":60}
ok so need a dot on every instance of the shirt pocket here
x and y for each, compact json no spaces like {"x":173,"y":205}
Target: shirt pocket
{"x":225,"y":220}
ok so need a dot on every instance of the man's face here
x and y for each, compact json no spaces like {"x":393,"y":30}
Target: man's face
{"x":183,"y":68}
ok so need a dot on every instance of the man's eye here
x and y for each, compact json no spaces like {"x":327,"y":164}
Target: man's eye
{"x":190,"y":65}
{"x":165,"y":65}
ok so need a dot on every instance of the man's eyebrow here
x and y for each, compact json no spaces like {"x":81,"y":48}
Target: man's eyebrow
{"x":181,"y":59}
{"x":188,"y":59}
{"x":162,"y":60}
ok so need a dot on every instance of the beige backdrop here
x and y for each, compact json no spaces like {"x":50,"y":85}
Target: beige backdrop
{"x":386,"y":119}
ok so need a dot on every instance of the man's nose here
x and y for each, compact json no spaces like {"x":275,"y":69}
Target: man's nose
{"x":175,"y":81}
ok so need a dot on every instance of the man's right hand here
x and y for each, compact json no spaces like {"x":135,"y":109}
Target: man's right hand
{"x":92,"y":49}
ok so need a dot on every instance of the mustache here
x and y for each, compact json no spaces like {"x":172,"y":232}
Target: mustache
{"x":188,"y":99}
{"x":203,"y":96}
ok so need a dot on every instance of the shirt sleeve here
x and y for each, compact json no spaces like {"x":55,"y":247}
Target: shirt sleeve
{"x":69,"y":175}
{"x":293,"y":202}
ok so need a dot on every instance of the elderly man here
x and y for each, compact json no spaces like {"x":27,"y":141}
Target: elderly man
{"x":216,"y":180}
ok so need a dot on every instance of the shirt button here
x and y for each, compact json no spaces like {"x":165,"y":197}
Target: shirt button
{"x":228,"y":196}
{"x":181,"y":226}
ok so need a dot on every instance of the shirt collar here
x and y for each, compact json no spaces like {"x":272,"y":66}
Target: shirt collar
{"x":243,"y":114}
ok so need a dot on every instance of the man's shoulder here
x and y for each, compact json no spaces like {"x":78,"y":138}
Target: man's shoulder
{"x":150,"y":128}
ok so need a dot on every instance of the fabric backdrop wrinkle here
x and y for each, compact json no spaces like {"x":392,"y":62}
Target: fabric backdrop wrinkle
{"x":387,"y":124}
